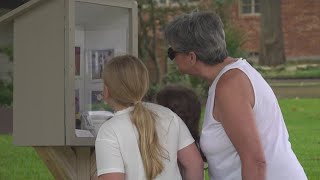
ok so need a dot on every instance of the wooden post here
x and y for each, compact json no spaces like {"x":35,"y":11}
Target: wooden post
{"x":69,"y":163}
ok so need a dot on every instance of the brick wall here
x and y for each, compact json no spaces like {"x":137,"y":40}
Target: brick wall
{"x":300,"y":25}
{"x":249,"y":25}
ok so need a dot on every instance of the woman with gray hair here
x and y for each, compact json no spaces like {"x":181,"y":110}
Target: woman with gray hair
{"x":142,"y":141}
{"x":243,"y":135}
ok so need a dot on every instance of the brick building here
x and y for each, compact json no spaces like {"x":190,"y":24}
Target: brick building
{"x":300,"y":25}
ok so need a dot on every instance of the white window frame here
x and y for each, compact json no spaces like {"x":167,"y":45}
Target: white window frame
{"x":253,"y":6}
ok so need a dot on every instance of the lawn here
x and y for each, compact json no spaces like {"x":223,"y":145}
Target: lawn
{"x":20,"y":163}
{"x":290,"y":71}
{"x":302,"y":118}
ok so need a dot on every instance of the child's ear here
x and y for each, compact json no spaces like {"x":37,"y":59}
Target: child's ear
{"x":193,"y":57}
{"x":105,"y":93}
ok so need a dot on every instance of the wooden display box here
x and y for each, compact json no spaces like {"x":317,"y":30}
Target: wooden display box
{"x":59,"y":49}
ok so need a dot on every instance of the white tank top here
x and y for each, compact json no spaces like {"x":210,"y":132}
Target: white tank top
{"x":223,"y":159}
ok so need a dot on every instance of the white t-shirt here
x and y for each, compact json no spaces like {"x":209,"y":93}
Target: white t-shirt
{"x":117,"y":147}
{"x":223,"y":159}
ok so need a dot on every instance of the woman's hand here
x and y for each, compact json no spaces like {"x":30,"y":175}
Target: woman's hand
{"x":112,"y":176}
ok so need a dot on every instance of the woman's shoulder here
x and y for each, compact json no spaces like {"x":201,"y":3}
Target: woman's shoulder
{"x":160,"y":111}
{"x":156,"y":108}
{"x":116,"y":122}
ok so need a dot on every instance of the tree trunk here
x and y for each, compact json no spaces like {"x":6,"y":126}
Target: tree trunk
{"x":148,"y":44}
{"x":153,"y":55}
{"x":271,"y":36}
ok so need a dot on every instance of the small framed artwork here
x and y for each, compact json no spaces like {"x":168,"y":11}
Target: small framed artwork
{"x":97,"y":59}
{"x":77,"y":61}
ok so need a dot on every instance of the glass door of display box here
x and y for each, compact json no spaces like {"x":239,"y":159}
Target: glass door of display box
{"x":102,"y":29}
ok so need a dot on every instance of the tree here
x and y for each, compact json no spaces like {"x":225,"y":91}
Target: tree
{"x":152,"y":20}
{"x":271,"y":36}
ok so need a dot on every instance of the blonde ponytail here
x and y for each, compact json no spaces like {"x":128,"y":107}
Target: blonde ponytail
{"x":150,"y":148}
{"x":127,"y":80}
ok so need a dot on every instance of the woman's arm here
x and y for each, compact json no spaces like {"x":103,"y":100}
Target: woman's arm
{"x":108,"y":156}
{"x":234,"y":101}
{"x":191,"y":162}
{"x":112,"y":176}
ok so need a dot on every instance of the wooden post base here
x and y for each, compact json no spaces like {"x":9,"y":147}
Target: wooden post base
{"x":69,"y":163}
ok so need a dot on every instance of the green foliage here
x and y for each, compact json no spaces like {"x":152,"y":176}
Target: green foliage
{"x":152,"y":91}
{"x":6,"y":87}
{"x":6,"y":93}
{"x":101,"y":107}
{"x":173,"y":76}
{"x":8,"y":51}
{"x":234,"y":40}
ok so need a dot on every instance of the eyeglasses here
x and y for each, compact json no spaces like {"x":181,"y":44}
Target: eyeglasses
{"x":172,"y":53}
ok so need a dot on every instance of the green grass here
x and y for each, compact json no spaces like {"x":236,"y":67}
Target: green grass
{"x":312,"y":73}
{"x":302,"y":118}
{"x":20,"y":163}
{"x":290,"y":71}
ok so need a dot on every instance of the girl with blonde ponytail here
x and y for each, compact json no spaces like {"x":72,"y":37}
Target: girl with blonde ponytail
{"x":143,"y":141}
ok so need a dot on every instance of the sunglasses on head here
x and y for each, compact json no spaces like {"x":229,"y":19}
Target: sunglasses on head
{"x":172,"y":53}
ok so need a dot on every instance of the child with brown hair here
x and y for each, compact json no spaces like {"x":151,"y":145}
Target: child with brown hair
{"x":186,"y":104}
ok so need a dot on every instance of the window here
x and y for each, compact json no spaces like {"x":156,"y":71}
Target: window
{"x":248,"y":7}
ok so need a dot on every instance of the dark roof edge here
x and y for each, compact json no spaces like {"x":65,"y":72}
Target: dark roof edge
{"x":20,"y":10}
{"x":11,"y":4}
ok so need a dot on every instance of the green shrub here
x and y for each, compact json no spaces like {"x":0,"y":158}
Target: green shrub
{"x":175,"y":77}
{"x":152,"y":91}
{"x":234,"y":39}
{"x":8,"y":51}
{"x":6,"y":87}
{"x":6,"y":93}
